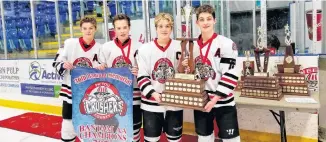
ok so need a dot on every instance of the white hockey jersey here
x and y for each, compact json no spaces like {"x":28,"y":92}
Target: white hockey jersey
{"x":78,"y":54}
{"x":156,"y":64}
{"x":215,"y":62}
{"x":116,"y":54}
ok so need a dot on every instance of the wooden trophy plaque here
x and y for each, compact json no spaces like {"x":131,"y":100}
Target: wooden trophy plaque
{"x":261,"y":85}
{"x":262,"y":88}
{"x":183,"y":90}
{"x":291,"y":81}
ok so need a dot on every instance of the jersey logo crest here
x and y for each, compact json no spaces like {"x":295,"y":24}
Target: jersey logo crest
{"x":204,"y":71}
{"x":163,"y":69}
{"x":83,"y":62}
{"x":102,"y":101}
{"x":119,"y":62}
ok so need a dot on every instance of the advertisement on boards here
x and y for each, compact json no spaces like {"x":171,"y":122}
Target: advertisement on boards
{"x":9,"y":76}
{"x":38,"y":78}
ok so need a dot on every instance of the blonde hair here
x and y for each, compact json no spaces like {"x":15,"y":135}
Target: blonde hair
{"x":91,"y":20}
{"x":163,"y":16}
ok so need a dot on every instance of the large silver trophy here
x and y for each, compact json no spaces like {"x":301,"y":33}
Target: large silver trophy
{"x":187,"y":11}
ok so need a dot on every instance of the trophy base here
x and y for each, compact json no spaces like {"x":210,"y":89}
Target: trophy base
{"x":188,"y":100}
{"x":293,"y":84}
{"x":291,"y":78}
{"x":278,"y":97}
{"x":184,"y":76}
{"x":240,"y":85}
{"x":262,"y":93}
{"x":261,"y":87}
{"x":265,"y":74}
{"x":295,"y":89}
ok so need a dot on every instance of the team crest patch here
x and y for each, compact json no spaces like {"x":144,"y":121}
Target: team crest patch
{"x":204,"y":70}
{"x":102,"y":101}
{"x":163,"y":69}
{"x":83,"y":62}
{"x":119,"y":62}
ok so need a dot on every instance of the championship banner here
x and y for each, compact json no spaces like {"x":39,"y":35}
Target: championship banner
{"x":102,"y":104}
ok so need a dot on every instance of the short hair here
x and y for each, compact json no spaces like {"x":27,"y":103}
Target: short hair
{"x":205,"y":9}
{"x":121,"y":17}
{"x":163,"y":16}
{"x":91,"y":20}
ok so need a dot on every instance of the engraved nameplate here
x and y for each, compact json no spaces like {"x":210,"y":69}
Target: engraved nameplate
{"x":289,"y":70}
{"x":261,"y":74}
{"x":184,"y":76}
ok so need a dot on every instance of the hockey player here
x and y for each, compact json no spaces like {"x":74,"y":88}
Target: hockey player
{"x":76,"y":52}
{"x":215,"y":60}
{"x":157,"y":61}
{"x":121,"y":52}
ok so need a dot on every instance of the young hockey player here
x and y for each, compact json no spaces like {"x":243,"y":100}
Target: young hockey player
{"x":157,"y":61}
{"x":76,"y":52}
{"x":121,"y":52}
{"x":215,"y":62}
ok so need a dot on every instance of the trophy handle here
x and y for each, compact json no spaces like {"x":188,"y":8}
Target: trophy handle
{"x":261,"y":68}
{"x":191,"y":57}
{"x":181,"y":68}
{"x":257,"y":58}
{"x":266,"y":59}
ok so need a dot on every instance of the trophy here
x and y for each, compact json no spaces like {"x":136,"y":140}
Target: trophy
{"x":248,"y":69}
{"x":259,"y":50}
{"x":288,"y":65}
{"x":291,"y":81}
{"x":187,"y":11}
{"x":248,"y":66}
{"x":261,"y":85}
{"x":184,"y":90}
